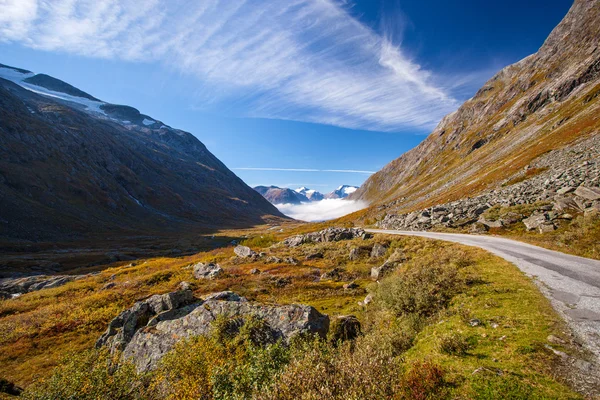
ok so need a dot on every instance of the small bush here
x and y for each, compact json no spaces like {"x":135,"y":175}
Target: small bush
{"x":454,"y":344}
{"x":423,"y":380}
{"x":260,"y":242}
{"x":90,"y":375}
{"x":421,"y":290}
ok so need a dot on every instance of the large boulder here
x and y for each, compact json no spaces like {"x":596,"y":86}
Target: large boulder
{"x":378,"y":250}
{"x":535,"y":221}
{"x":383,"y":270}
{"x":151,"y":328}
{"x":588,"y":193}
{"x":244,"y":251}
{"x":326,"y":235}
{"x":207,"y":271}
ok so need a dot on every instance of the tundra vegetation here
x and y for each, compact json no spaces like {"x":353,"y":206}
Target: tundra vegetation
{"x":448,"y":322}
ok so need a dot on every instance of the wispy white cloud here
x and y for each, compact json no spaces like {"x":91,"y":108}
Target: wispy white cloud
{"x":350,"y":171}
{"x":307,"y":60}
{"x":321,"y":210}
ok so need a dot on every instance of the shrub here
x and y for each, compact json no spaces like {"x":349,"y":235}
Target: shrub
{"x":421,"y":290}
{"x":423,"y":380}
{"x":9,"y":387}
{"x":93,"y":374}
{"x":454,"y":344}
{"x":259,"y":241}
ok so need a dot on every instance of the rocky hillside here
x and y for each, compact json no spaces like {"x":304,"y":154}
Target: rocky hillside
{"x":545,"y":102}
{"x":72,"y":166}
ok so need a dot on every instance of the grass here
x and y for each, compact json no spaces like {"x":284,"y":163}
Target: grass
{"x":416,"y":342}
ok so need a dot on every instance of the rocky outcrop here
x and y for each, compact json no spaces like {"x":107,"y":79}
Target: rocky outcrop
{"x":28,"y":284}
{"x":207,"y":271}
{"x":569,"y":183}
{"x":152,"y":327}
{"x":244,"y":252}
{"x":327,"y":235}
{"x":545,"y":102}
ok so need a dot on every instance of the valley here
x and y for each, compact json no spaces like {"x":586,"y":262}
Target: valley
{"x":135,"y":264}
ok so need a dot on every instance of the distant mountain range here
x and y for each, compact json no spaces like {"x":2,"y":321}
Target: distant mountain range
{"x":72,"y":165}
{"x":277,"y":195}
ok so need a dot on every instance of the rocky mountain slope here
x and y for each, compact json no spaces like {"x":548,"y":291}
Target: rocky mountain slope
{"x":277,"y":195}
{"x":341,"y":192}
{"x":72,"y":166}
{"x":310,"y":194}
{"x":548,"y":101}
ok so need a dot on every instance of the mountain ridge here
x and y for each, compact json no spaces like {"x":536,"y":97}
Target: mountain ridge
{"x":70,"y":168}
{"x":543,"y":102}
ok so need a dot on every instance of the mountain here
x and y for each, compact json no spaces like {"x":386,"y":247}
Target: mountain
{"x":310,"y":194}
{"x":73,"y":166}
{"x":342,"y":192}
{"x":547,"y":101}
{"x":277,"y":195}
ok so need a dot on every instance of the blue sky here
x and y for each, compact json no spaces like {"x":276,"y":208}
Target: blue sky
{"x":323,"y":85}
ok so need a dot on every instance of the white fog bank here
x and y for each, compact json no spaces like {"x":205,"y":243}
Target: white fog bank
{"x":321,"y":210}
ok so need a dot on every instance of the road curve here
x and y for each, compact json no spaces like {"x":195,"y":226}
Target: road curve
{"x":571,"y":283}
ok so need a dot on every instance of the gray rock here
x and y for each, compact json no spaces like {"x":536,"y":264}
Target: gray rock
{"x":546,"y":227}
{"x":184,"y":286}
{"x":478,"y":228}
{"x":37,"y":282}
{"x":565,"y":190}
{"x":490,"y":223}
{"x":191,"y":317}
{"x":382,"y":271}
{"x":354,"y":254}
{"x":378,"y":251}
{"x":291,"y":261}
{"x":225,"y":296}
{"x":351,"y":285}
{"x":588,"y":193}
{"x":314,"y":256}
{"x":255,"y":271}
{"x":335,"y":274}
{"x":368,"y":300}
{"x":207,"y":271}
{"x":535,"y":221}
{"x":326,"y":235}
{"x":244,"y":251}
{"x":563,"y":203}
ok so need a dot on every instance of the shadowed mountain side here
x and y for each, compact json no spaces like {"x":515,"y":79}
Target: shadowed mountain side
{"x":68,"y":174}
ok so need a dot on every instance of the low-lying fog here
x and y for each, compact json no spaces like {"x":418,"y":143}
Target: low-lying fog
{"x":321,"y":210}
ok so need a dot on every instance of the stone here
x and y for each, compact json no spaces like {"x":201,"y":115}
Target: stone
{"x":109,"y":285}
{"x":291,"y":261}
{"x":344,"y":328}
{"x":534,"y":221}
{"x":511,"y":218}
{"x":475,"y":322}
{"x":354,"y":254}
{"x":382,"y":271}
{"x":335,"y":274}
{"x":478,"y":228}
{"x":207,"y":271}
{"x":563,"y":203}
{"x":351,"y":285}
{"x":244,"y":251}
{"x":176,"y":316}
{"x":327,"y":235}
{"x":546,"y":227}
{"x":36,"y":282}
{"x":314,"y":256}
{"x":555,"y":339}
{"x":588,"y":193}
{"x":184,"y":286}
{"x":565,"y":190}
{"x":368,"y":299}
{"x":225,"y":296}
{"x":255,"y":271}
{"x":378,"y":250}
{"x":490,"y":223}
{"x":294,"y":241}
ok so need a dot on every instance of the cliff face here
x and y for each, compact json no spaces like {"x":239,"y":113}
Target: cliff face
{"x":543,"y":102}
{"x":67,"y":172}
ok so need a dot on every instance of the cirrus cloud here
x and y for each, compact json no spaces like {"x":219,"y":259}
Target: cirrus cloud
{"x":306,"y":60}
